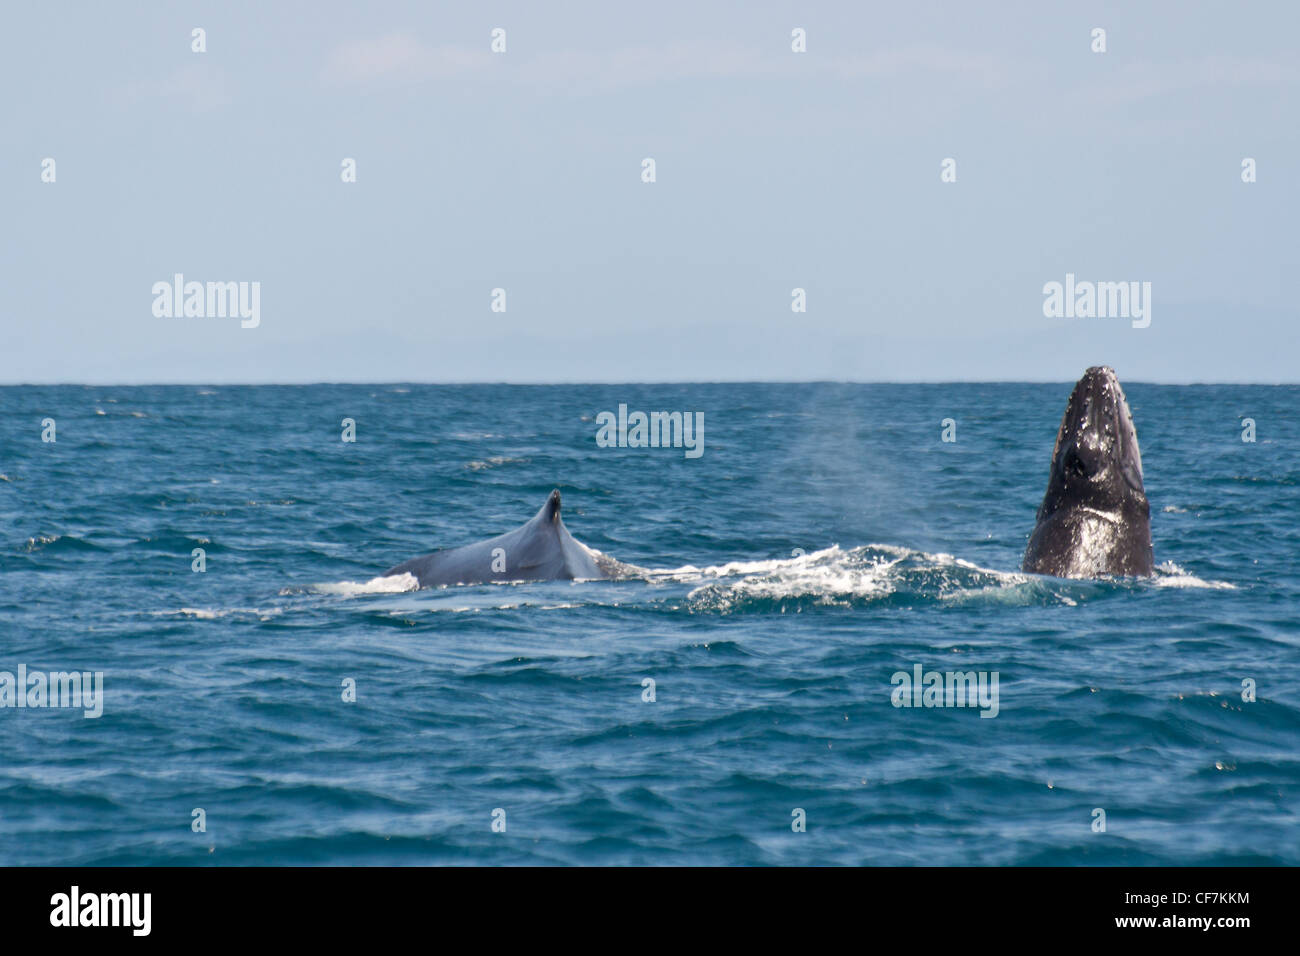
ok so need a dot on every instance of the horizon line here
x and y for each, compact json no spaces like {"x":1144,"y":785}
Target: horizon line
{"x":641,"y":382}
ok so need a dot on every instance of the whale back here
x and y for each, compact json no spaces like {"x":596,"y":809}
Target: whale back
{"x":542,"y":549}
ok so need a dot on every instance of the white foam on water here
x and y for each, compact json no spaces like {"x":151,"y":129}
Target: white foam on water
{"x":214,"y":614}
{"x":828,"y":585}
{"x":390,"y":584}
{"x":689,"y":573}
{"x":493,"y":462}
{"x":838,"y":577}
{"x":1170,"y":575}
{"x":203,"y":614}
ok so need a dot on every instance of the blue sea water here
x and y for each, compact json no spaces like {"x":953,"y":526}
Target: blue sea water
{"x":825,"y":540}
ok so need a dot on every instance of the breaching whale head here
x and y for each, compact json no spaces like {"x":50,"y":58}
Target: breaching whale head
{"x":1094,"y":518}
{"x":540,"y":550}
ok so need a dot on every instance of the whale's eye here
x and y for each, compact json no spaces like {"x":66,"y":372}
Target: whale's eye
{"x":1073,"y":465}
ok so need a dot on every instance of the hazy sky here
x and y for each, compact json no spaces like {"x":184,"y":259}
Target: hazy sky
{"x":523,"y":171}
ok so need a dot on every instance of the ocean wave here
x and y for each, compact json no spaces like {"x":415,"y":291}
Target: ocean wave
{"x":216,"y":614}
{"x":860,"y":576}
{"x":58,"y":543}
{"x":494,"y":462}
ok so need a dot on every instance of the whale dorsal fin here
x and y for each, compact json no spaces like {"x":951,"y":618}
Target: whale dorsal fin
{"x":550,"y":512}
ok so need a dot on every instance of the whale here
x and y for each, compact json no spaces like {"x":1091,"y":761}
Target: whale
{"x":541,"y":549}
{"x":1095,"y":519}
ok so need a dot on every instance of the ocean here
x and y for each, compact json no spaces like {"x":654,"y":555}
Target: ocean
{"x":733,"y":703}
